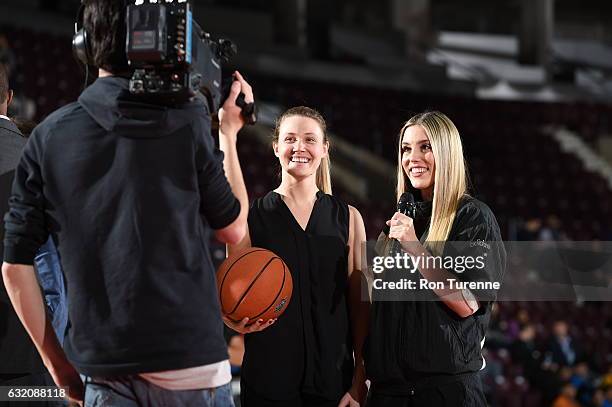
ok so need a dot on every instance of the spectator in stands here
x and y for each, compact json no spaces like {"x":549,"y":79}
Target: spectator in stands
{"x":567,"y":398}
{"x":608,"y":398}
{"x":428,"y":352}
{"x":552,"y":230}
{"x":523,"y":352}
{"x":529,"y":230}
{"x":7,"y":58}
{"x":599,"y":399}
{"x":123,"y":187}
{"x":312,"y":355}
{"x":21,"y":105}
{"x":606,"y":380}
{"x":496,"y":334}
{"x":562,"y":349}
{"x":583,"y":383}
{"x":516,"y":324}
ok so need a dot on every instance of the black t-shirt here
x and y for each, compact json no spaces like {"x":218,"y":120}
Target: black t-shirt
{"x":309,"y":349}
{"x":123,"y":187}
{"x":413,"y":339}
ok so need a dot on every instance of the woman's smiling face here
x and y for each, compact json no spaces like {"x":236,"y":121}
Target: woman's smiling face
{"x":418,"y":160}
{"x":300,"y":146}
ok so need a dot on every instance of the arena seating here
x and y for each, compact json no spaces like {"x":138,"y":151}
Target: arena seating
{"x":515,"y":168}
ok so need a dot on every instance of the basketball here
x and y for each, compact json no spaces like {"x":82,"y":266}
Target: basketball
{"x":254,"y":283}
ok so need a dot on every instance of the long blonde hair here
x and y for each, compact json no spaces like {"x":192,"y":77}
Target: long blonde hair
{"x":323,"y":176}
{"x":450,"y":180}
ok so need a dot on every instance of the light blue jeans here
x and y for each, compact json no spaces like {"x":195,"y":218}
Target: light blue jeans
{"x":133,"y":391}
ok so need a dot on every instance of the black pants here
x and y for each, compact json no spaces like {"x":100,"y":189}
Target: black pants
{"x":248,"y":398}
{"x":460,"y":391}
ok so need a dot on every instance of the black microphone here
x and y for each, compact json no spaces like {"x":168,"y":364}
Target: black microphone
{"x":407,"y":206}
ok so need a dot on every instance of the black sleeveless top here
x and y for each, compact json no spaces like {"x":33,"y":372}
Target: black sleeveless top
{"x":309,"y":348}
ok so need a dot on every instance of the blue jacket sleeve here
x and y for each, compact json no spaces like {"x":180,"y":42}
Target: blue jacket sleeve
{"x":51,"y":279}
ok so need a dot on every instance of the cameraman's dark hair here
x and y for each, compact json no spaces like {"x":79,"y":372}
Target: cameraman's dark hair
{"x":104,"y":21}
{"x":4,"y":84}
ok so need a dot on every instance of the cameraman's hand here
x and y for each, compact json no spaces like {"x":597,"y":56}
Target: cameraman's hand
{"x":230,"y":119}
{"x":65,"y":375}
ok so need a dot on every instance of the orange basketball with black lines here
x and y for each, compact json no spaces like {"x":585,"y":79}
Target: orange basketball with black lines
{"x":254,"y":283}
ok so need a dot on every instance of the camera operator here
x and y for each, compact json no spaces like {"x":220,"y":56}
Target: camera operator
{"x":123,"y":187}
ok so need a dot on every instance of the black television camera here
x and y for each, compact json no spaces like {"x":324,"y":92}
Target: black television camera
{"x":174,"y":59}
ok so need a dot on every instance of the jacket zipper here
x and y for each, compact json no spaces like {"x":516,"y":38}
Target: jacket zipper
{"x":461,"y":344}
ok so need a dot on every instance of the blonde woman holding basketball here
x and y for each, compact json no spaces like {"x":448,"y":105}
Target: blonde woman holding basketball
{"x":425,"y":349}
{"x":311,"y":355}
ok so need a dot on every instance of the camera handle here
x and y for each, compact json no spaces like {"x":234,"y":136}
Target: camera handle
{"x":247,"y":109}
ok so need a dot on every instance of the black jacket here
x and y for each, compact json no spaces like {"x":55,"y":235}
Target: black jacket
{"x":411,"y":338}
{"x":123,"y":187}
{"x":11,"y":146}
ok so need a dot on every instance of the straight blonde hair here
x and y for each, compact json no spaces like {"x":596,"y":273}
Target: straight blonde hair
{"x":450,"y":179}
{"x":323,"y":176}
